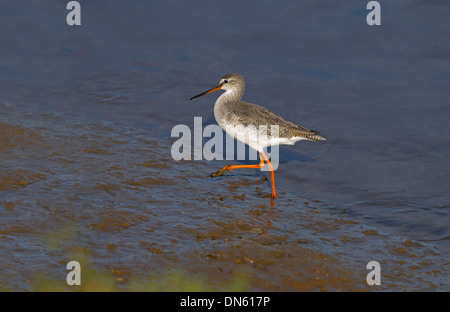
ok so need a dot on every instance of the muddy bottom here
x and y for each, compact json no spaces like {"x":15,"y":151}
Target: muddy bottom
{"x":110,"y":197}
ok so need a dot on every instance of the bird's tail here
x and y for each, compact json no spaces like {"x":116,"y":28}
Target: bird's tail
{"x":314,"y":136}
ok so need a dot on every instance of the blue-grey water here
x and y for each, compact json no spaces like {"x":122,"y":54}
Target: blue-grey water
{"x":86,"y":114}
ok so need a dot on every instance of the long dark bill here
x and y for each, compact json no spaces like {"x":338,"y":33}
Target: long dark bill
{"x":219,"y":87}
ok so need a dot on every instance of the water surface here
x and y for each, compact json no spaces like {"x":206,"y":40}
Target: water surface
{"x":86,"y":116}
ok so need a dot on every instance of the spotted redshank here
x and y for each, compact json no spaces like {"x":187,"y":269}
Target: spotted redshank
{"x":239,"y":119}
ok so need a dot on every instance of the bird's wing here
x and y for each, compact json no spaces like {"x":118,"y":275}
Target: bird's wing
{"x":251,"y":114}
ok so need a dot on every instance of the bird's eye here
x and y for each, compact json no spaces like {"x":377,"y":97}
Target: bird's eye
{"x":225,"y":81}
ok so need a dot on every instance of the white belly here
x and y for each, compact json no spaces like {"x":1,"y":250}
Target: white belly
{"x":257,"y":138}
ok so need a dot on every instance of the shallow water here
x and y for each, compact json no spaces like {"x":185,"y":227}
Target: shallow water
{"x":85,"y":122}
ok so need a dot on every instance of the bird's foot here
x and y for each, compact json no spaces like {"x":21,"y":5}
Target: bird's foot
{"x":220,"y":172}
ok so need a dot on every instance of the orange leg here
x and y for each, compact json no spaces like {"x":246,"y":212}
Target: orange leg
{"x":271,"y":173}
{"x":229,"y":168}
{"x":260,"y":165}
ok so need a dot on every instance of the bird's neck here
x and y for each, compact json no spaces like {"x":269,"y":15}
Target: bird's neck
{"x":232,"y":95}
{"x":222,"y":102}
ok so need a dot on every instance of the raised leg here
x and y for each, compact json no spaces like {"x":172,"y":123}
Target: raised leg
{"x":229,"y":168}
{"x":262,"y":157}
